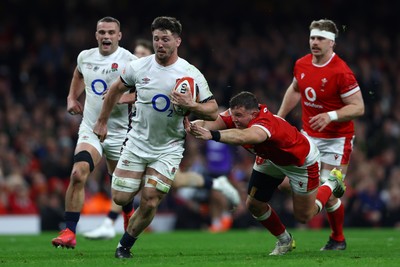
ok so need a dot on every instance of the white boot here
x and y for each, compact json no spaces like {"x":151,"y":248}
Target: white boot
{"x":230,"y":192}
{"x":103,"y":231}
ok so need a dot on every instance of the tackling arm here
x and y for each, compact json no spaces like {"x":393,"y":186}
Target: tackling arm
{"x":217,"y":124}
{"x":252,"y":135}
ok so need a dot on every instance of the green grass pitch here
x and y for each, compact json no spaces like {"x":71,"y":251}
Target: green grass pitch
{"x":366,"y":247}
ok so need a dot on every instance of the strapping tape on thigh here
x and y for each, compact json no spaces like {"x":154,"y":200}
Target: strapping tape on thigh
{"x":155,"y":182}
{"x":125,"y":184}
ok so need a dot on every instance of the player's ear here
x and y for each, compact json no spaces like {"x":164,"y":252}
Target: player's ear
{"x":119,"y":36}
{"x":178,"y":41}
{"x":333,"y":43}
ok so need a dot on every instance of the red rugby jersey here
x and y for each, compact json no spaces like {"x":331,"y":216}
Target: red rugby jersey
{"x":322,"y":89}
{"x":285,"y":145}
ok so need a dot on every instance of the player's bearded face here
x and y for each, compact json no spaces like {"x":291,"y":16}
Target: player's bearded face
{"x":165,"y":44}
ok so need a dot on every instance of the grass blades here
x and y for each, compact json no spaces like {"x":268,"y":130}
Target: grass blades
{"x":366,"y":247}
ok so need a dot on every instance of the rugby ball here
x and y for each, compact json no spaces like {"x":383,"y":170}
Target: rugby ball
{"x":183,"y":86}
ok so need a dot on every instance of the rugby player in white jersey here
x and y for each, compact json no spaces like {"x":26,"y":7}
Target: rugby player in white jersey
{"x":106,"y":230}
{"x":154,"y":151}
{"x":96,"y":70}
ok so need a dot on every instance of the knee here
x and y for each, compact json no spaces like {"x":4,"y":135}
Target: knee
{"x":250,"y":205}
{"x":124,"y":189}
{"x":120,"y":199}
{"x":149,"y":207}
{"x":150,"y":200}
{"x":78,"y":176}
{"x":256,"y":208}
{"x":83,"y":166}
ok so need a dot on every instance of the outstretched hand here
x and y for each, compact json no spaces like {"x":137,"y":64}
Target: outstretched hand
{"x":199,"y":132}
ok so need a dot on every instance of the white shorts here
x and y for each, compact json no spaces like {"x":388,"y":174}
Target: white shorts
{"x":303,"y":179}
{"x":334,"y":151}
{"x":111,"y":147}
{"x":134,"y":159}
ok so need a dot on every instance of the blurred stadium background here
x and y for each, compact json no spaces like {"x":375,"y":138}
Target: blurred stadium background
{"x":238,"y":45}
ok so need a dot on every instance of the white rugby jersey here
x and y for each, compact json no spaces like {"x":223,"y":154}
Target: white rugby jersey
{"x":99,"y":72}
{"x":156,"y":127}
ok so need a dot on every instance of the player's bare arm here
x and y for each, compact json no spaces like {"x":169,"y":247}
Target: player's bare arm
{"x":207,"y":111}
{"x":252,"y":135}
{"x":218,"y":124}
{"x":74,"y":106}
{"x":354,"y":107}
{"x":110,"y":100}
{"x":290,"y":100}
{"x":125,"y":98}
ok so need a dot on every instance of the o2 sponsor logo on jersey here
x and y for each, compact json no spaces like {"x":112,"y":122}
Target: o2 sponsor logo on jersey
{"x":162,"y":103}
{"x":99,"y":86}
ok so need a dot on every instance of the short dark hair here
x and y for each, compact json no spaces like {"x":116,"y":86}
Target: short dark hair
{"x":110,"y":19}
{"x":145,"y":43}
{"x":167,"y":23}
{"x":244,"y":99}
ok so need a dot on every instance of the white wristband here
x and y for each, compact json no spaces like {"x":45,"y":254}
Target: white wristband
{"x":333,"y":115}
